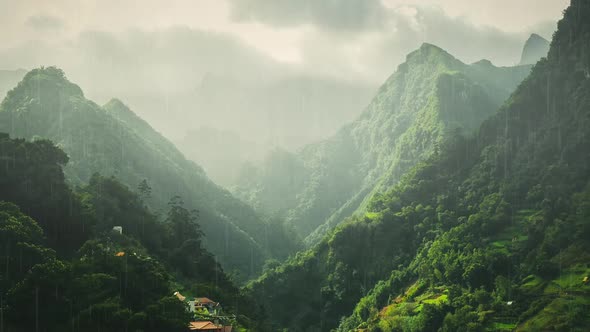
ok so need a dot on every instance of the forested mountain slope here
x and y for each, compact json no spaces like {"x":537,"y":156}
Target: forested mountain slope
{"x":65,"y":269}
{"x":114,"y":141}
{"x":431,"y":95}
{"x":489,"y":233}
{"x":222,"y":153}
{"x":254,"y":113}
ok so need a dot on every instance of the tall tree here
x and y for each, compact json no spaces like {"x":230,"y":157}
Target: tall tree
{"x":182,"y":222}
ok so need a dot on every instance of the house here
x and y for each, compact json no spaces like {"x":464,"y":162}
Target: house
{"x":205,"y":301}
{"x":200,"y":304}
{"x":205,"y":326}
{"x":208,"y":326}
{"x":214,"y":308}
{"x":205,"y":308}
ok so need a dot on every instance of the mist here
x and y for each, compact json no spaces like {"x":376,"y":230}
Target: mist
{"x":245,"y":68}
{"x":294,"y":165}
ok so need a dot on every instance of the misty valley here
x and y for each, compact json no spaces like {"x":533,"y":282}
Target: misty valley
{"x":295,"y":166}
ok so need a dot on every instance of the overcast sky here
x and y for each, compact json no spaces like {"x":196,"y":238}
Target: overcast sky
{"x":245,"y":65}
{"x":354,"y":38}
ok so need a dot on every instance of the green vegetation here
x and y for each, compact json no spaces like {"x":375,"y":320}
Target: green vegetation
{"x":113,"y":141}
{"x":64,"y":266}
{"x":563,"y":313}
{"x":433,"y":211}
{"x":489,"y":232}
{"x":431,"y":96}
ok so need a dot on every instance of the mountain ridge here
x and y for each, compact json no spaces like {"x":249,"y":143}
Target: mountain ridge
{"x":490,"y":232}
{"x":535,"y":48}
{"x":406,"y":104}
{"x":115,"y":142}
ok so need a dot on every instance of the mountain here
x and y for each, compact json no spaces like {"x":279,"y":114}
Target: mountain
{"x":489,"y":233}
{"x":113,"y":141}
{"x":59,"y":246}
{"x":221,"y":153}
{"x":535,"y":48}
{"x":289,"y":110}
{"x":430,"y":96}
{"x":260,"y":113}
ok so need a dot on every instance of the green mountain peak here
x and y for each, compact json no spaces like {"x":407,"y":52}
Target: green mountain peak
{"x":114,"y":141}
{"x":429,"y":96}
{"x":484,"y":63}
{"x":427,"y":47}
{"x":431,"y":54}
{"x":46,"y":87}
{"x":488,"y":233}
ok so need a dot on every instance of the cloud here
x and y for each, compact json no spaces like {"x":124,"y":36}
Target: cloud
{"x":374,"y":54}
{"x":180,"y":79}
{"x":465,"y":39}
{"x":367,"y":39}
{"x":357,"y":15}
{"x":45,"y":22}
{"x":144,"y":66}
{"x":158,"y":71}
{"x":227,"y":76}
{"x":217,"y":63}
{"x":347,"y":15}
{"x":176,"y":55}
{"x":545,"y":29}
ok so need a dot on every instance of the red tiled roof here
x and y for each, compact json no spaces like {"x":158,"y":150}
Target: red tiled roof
{"x":204,"y":300}
{"x":204,"y":326}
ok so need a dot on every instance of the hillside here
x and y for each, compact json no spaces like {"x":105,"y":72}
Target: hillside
{"x":431,"y":95}
{"x":112,"y":140}
{"x":489,"y":233}
{"x":221,"y":153}
{"x":59,"y":248}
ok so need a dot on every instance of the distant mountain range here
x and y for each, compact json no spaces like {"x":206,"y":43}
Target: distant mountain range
{"x":221,"y":153}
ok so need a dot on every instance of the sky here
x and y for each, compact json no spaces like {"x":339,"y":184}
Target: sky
{"x":265,"y":73}
{"x":353,"y":38}
{"x":181,"y":64}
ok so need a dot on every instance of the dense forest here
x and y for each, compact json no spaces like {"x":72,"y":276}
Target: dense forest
{"x":488,"y":233}
{"x":65,"y":268}
{"x":457,"y":200}
{"x":113,"y":141}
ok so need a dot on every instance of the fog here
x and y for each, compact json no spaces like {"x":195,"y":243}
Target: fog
{"x":222,"y":77}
